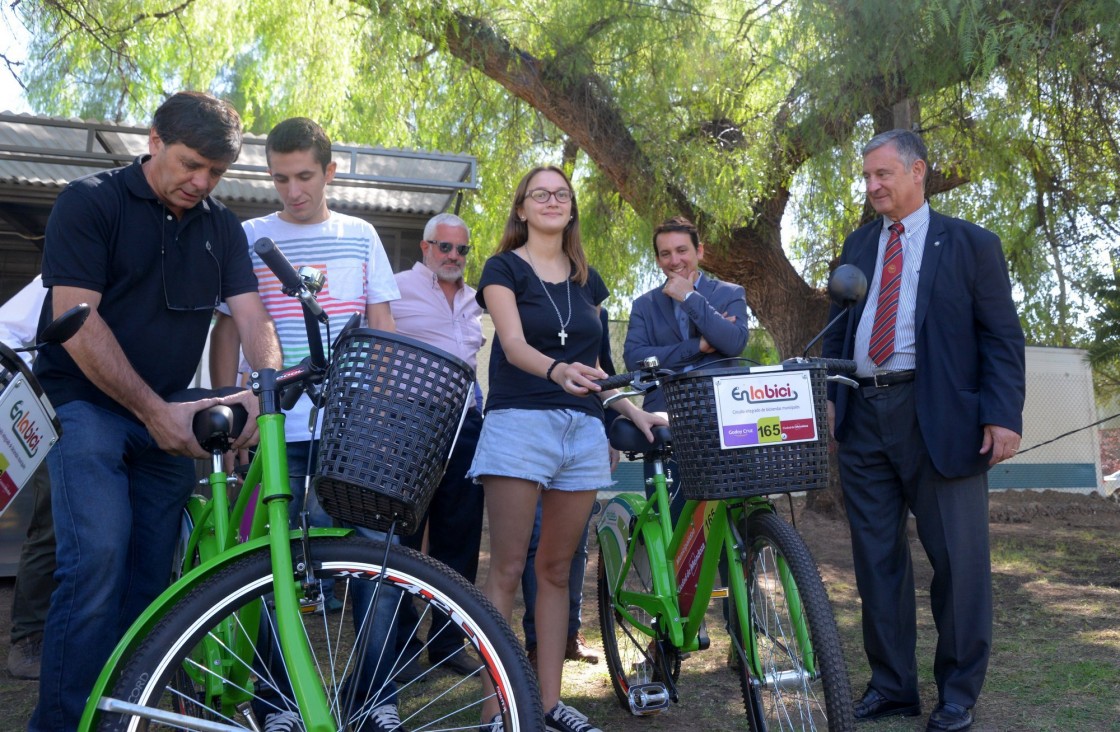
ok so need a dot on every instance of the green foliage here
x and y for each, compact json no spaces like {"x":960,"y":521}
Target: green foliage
{"x":745,"y":112}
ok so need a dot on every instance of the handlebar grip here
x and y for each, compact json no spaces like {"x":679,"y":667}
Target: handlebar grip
{"x":835,"y":365}
{"x":616,"y":382}
{"x":271,"y":255}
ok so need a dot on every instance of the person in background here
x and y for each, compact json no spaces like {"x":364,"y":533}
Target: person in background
{"x":153,"y":254}
{"x":438,"y":308}
{"x":576,"y":648}
{"x":31,"y":594}
{"x":348,"y":251}
{"x":690,"y":322}
{"x":941,"y":372}
{"x":543,"y":436}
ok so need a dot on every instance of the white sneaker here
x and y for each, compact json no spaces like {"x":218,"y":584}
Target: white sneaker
{"x":563,"y":718}
{"x":383,"y":719}
{"x":283,"y":722}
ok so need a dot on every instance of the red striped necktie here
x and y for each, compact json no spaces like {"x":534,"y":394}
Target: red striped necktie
{"x":881,"y":345}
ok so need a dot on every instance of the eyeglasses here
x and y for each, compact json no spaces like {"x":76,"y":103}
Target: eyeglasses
{"x":541,"y":195}
{"x":445,"y":247}
{"x":195,"y":283}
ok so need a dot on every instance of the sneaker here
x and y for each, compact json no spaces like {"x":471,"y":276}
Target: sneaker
{"x":283,"y":722}
{"x":578,"y":650}
{"x":24,"y":656}
{"x":383,"y":719}
{"x":563,"y":718}
{"x":496,"y":724}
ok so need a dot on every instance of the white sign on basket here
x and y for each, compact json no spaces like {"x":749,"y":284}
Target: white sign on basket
{"x":26,"y":434}
{"x":765,"y":407}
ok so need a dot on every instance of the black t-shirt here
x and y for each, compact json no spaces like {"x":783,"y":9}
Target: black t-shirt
{"x":105,"y":233}
{"x":512,"y":388}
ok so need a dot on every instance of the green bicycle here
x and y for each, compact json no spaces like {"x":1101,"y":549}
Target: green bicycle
{"x":243,"y":640}
{"x":738,"y":435}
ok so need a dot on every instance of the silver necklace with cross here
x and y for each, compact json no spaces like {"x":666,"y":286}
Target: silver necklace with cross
{"x":568,"y":283}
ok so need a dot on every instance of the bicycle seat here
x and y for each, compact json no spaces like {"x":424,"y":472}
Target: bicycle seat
{"x":626,"y":437}
{"x":214,"y":427}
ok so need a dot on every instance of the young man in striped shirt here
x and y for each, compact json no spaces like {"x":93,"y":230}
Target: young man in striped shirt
{"x":359,"y":278}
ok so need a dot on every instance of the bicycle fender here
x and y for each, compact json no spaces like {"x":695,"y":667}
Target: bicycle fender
{"x":162,"y":604}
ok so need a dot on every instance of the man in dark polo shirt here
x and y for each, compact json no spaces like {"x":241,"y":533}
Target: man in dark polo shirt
{"x":153,"y":254}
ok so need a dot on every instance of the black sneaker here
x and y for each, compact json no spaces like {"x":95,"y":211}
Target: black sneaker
{"x":496,"y":724}
{"x":563,"y":718}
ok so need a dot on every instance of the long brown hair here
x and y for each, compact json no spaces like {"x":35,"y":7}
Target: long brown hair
{"x":516,"y":232}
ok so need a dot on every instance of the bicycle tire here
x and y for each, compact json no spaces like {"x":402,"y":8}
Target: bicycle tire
{"x":789,"y":697}
{"x":630,"y":651}
{"x":154,"y":674}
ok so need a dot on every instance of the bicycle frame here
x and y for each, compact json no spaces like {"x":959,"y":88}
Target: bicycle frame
{"x":214,"y":535}
{"x":679,"y":616}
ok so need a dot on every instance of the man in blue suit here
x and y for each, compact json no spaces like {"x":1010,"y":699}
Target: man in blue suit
{"x":691,"y":320}
{"x":941,"y":378}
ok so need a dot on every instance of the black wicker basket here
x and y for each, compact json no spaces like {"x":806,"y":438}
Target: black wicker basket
{"x":394,"y":406}
{"x":710,"y":472}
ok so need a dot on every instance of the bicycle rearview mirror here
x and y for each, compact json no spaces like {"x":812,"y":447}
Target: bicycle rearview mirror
{"x":847,"y":285}
{"x":64,"y":326}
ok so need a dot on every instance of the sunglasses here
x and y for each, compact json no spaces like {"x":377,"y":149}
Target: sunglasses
{"x":445,"y":247}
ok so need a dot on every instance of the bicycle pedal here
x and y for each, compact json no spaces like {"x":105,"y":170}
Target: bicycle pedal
{"x":647,"y":699}
{"x":309,"y":606}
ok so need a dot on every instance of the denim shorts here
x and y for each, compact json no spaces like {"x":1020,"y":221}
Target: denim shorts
{"x":560,"y":449}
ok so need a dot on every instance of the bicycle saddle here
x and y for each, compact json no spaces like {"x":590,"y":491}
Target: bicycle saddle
{"x":214,"y":427}
{"x":626,"y":437}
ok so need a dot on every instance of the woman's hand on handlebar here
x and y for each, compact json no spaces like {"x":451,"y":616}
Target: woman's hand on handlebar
{"x":577,"y":379}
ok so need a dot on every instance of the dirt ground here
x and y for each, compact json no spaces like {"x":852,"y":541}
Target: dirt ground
{"x":1055,"y":664}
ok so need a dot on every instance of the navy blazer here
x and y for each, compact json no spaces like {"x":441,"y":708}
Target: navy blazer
{"x":653,"y":329}
{"x":970,"y":368}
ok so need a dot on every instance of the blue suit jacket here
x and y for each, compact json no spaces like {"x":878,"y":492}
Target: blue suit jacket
{"x":654,"y":331}
{"x":970,"y":348}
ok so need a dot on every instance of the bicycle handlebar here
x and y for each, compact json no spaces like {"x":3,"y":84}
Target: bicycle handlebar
{"x":643,"y":380}
{"x":271,"y":255}
{"x":618,"y":380}
{"x":832,"y":365}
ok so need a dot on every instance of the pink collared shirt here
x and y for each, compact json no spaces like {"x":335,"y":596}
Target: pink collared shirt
{"x":422,"y":312}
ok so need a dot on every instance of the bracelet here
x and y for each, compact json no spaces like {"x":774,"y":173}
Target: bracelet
{"x":548,"y":374}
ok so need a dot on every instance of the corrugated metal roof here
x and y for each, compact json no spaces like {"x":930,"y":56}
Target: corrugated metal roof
{"x":50,"y":152}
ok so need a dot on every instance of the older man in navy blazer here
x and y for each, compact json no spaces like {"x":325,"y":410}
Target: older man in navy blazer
{"x":690,"y":321}
{"x":941,"y":371}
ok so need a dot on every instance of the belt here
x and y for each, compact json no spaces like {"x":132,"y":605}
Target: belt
{"x":887,"y":378}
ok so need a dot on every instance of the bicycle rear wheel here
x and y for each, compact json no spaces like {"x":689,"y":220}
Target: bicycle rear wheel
{"x":805,"y":681}
{"x":212,"y":656}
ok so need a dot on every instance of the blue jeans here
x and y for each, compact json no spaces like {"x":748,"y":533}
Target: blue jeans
{"x":454,"y":521}
{"x":301,"y":457}
{"x":575,"y":583}
{"x":117,"y":500}
{"x":375,"y":678}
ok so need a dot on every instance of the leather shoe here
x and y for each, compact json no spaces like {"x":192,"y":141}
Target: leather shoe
{"x":578,"y":650}
{"x":949,"y":717}
{"x":874,"y":705}
{"x":458,"y":662}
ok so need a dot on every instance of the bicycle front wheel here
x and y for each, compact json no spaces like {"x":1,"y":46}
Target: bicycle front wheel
{"x":213,"y":658}
{"x":804,"y":681}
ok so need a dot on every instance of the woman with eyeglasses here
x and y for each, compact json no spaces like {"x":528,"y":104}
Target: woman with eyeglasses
{"x":543,"y":432}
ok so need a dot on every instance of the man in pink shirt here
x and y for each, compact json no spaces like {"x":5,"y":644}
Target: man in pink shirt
{"x":437,"y":307}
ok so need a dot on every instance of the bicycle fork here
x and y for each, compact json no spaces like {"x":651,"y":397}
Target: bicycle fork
{"x":792,"y":679}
